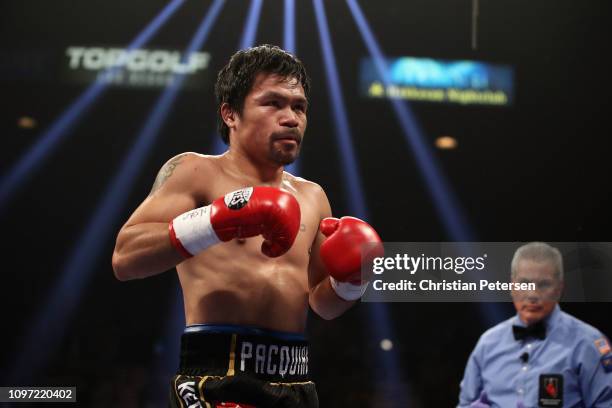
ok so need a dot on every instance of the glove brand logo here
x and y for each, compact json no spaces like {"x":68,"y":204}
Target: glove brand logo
{"x":198,"y":212}
{"x":238,"y":199}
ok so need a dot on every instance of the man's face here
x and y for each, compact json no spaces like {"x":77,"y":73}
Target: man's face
{"x":533,"y":306}
{"x":273,"y":120}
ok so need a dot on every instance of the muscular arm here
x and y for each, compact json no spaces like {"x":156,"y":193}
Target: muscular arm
{"x":143,"y":245}
{"x":322,"y":298}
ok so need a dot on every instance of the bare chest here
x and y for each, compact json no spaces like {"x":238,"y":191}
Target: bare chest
{"x":299,"y":254}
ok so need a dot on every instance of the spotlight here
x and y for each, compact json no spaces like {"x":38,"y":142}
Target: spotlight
{"x":26,"y":122}
{"x":386,"y":344}
{"x":64,"y":298}
{"x":60,"y":129}
{"x":446,"y":143}
{"x":442,"y":195}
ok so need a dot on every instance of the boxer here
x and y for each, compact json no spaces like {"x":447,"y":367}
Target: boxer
{"x":253,"y":246}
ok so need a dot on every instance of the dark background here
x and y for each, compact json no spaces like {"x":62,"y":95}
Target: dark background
{"x":538,"y":170}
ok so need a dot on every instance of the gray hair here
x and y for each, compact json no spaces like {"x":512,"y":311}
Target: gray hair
{"x":538,"y":252}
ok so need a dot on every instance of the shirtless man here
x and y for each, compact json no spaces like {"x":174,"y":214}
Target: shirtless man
{"x":244,"y":237}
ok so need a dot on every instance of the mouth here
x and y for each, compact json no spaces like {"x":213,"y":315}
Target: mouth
{"x":533,"y":308}
{"x":287,"y":137}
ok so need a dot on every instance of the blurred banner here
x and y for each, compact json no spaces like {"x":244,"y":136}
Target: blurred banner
{"x":429,"y":80}
{"x":140,"y":68}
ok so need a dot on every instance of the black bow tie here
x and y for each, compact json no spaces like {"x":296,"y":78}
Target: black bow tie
{"x":537,"y":330}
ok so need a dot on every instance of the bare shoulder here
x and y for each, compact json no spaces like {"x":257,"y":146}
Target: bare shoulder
{"x":310,"y":190}
{"x":303,"y":186}
{"x":182,"y":168}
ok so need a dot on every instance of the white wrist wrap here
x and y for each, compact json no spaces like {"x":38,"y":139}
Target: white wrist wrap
{"x":347,"y":290}
{"x":194,"y":230}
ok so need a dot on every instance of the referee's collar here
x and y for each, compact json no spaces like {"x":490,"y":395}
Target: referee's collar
{"x":551,"y":320}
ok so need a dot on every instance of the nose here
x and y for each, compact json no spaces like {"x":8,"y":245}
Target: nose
{"x":289,"y":118}
{"x":533,"y":297}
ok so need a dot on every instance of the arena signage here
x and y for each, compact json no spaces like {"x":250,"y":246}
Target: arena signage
{"x":429,"y":80}
{"x":134,"y":68}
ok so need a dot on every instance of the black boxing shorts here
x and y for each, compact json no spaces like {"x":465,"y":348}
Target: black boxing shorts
{"x":236,"y":366}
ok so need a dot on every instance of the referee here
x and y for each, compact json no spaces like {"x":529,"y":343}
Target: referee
{"x":542,"y":357}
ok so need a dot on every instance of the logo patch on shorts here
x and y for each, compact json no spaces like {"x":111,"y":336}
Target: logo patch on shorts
{"x":238,"y":199}
{"x":273,"y":359}
{"x":186,"y":391}
{"x":551,"y":390}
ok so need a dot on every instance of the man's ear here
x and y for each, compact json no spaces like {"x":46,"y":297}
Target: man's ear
{"x":228,"y":115}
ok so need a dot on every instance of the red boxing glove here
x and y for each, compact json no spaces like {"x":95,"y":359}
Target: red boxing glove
{"x":273,"y":213}
{"x":341,"y":253}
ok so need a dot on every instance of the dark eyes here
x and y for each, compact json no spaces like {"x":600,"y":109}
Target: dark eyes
{"x":277,"y":104}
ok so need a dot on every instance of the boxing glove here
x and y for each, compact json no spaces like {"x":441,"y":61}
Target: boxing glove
{"x":252,"y":211}
{"x":341,"y":253}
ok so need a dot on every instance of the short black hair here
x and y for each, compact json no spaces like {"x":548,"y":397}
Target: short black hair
{"x":235,"y":80}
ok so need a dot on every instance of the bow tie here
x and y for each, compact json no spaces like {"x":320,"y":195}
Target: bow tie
{"x":537,"y":330}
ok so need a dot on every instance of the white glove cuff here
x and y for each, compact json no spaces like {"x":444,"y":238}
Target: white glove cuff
{"x":347,"y":290}
{"x":193,"y":231}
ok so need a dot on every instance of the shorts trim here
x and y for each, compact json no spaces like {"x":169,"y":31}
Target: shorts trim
{"x":243,"y":330}
{"x":291,"y":383}
{"x":201,"y":388}
{"x":232,"y":356}
{"x":178,"y":398}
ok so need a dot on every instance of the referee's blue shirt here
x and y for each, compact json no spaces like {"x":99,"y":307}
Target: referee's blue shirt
{"x":574,"y":355}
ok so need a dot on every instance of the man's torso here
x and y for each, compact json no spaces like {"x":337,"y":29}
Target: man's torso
{"x":233,"y":282}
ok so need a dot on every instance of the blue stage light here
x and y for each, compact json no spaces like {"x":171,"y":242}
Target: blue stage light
{"x":65,"y":296}
{"x":378,"y":312}
{"x":442,"y":196}
{"x":34,"y":158}
{"x":289,"y":45}
{"x":250,"y":29}
{"x":348,"y":159}
{"x":289,"y":26}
